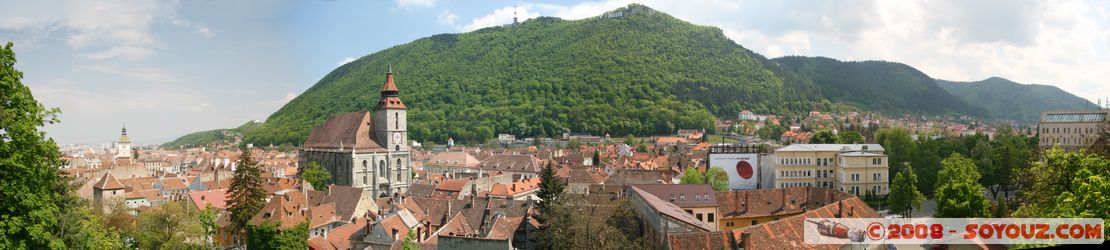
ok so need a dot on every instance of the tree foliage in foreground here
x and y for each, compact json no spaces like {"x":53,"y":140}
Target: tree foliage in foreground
{"x":246,"y":196}
{"x":270,"y":236}
{"x":170,"y":226}
{"x":958,"y":192}
{"x":1067,"y":184}
{"x":904,"y":196}
{"x":38,"y":208}
{"x":316,"y":175}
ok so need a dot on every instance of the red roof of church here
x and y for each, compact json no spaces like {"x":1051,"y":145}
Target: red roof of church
{"x":344,"y":131}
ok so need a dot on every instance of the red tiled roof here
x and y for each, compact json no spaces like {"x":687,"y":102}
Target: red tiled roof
{"x":340,"y":237}
{"x":454,"y":185}
{"x":787,"y":233}
{"x":108,"y":182}
{"x":321,"y":215}
{"x":774,"y":202}
{"x":347,"y":131}
{"x":217,"y":198}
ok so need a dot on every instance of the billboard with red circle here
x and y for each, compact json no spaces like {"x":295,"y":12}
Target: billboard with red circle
{"x":742,"y":169}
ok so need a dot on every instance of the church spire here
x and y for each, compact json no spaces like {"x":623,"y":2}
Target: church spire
{"x":389,"y":95}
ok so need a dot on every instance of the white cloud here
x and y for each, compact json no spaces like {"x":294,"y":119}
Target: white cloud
{"x":100,"y":30}
{"x":448,"y":18}
{"x":345,"y":61}
{"x":150,"y":75}
{"x":289,"y":97}
{"x":501,"y":16}
{"x":416,"y":3}
{"x":123,"y":52}
{"x":204,"y":31}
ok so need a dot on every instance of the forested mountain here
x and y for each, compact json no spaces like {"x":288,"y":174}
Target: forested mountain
{"x":633,"y":70}
{"x":203,"y":138}
{"x":873,"y":85}
{"x":1005,"y":99}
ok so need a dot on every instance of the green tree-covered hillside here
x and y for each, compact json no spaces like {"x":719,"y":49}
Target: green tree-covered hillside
{"x":873,"y":85}
{"x":643,"y":72}
{"x":1005,"y":99}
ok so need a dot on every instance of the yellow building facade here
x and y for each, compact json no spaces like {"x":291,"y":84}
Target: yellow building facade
{"x":853,"y":168}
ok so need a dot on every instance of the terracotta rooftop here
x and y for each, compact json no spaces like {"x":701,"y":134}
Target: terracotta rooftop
{"x":108,"y":182}
{"x":787,"y":233}
{"x":217,"y":198}
{"x":511,"y":162}
{"x":322,"y":215}
{"x":774,"y":202}
{"x":460,"y":159}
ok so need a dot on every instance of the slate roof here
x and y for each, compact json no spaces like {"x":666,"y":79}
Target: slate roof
{"x":345,"y":131}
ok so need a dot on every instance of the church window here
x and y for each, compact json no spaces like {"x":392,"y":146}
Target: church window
{"x":364,"y":166}
{"x":381,"y":169}
{"x":397,"y":120}
{"x":398,"y":169}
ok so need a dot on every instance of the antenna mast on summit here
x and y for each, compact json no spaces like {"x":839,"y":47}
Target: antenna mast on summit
{"x":514,"y":15}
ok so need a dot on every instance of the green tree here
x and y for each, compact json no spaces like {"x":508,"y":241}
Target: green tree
{"x":717,"y":178}
{"x":1012,"y":152}
{"x":410,"y":241}
{"x":900,"y":147}
{"x":849,"y":137}
{"x":270,"y":236}
{"x":552,"y":215}
{"x":597,"y":156}
{"x":246,"y":194}
{"x":1067,"y":184}
{"x":692,"y":176}
{"x":984,"y":162}
{"x":904,"y":196}
{"x":169,"y":226}
{"x":38,"y":208}
{"x":208,"y":223}
{"x":316,"y":175}
{"x":823,"y":137}
{"x":958,"y":192}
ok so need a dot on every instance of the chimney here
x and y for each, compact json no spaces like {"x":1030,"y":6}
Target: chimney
{"x":840,"y":209}
{"x":744,"y":237}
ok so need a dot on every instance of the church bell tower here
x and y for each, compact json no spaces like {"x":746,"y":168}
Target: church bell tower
{"x":390,"y":116}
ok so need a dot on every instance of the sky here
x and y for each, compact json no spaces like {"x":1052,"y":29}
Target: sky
{"x":168,"y":68}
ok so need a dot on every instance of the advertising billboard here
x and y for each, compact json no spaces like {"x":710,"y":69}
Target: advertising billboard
{"x":742,"y":169}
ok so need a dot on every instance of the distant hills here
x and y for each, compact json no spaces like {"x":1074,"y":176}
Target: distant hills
{"x":633,"y":70}
{"x":874,"y":85}
{"x":1005,"y":99}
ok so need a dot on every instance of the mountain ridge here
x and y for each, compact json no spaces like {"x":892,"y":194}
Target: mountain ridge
{"x":637,"y":72}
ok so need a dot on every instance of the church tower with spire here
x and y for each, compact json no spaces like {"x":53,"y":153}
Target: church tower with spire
{"x":389,"y":117}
